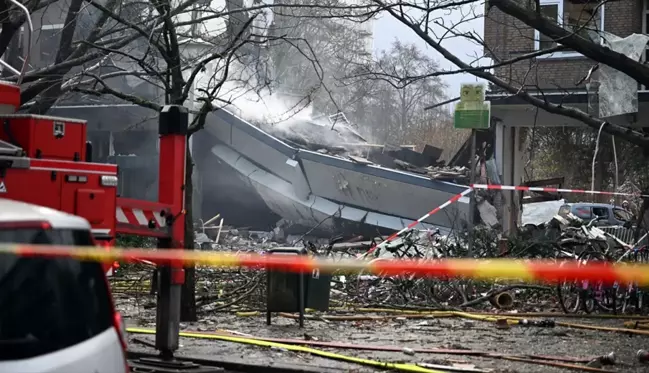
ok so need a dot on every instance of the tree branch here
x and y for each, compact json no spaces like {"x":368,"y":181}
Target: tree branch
{"x":626,"y":133}
{"x":597,"y":52}
{"x":107,"y":90}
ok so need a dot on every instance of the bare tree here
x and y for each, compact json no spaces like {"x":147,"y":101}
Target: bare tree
{"x":398,"y":102}
{"x":427,"y":20}
{"x":316,"y":49}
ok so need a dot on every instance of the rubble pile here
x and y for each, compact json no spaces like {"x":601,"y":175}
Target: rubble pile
{"x":337,"y":137}
{"x":242,"y":290}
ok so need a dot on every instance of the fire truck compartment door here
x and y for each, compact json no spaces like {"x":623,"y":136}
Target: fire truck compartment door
{"x":91,"y":204}
{"x":32,"y":186}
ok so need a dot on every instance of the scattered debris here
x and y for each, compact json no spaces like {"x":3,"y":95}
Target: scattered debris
{"x":643,"y":356}
{"x":463,"y":368}
{"x":608,"y":359}
{"x":502,"y":324}
{"x":408,"y":351}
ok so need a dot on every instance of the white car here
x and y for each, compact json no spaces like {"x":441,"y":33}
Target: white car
{"x":56,"y":315}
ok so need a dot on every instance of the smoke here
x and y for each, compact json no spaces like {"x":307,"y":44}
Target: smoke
{"x":265,"y":108}
{"x":292,"y":117}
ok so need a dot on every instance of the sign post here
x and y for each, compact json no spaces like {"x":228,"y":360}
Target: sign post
{"x":472,"y":112}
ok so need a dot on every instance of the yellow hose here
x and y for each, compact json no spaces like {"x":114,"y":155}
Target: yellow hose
{"x":378,"y":364}
{"x":435,"y":314}
{"x":452,"y":313}
{"x":512,"y":320}
{"x":522,"y":314}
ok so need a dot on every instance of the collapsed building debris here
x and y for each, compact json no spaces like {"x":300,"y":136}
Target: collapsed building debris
{"x":307,"y":178}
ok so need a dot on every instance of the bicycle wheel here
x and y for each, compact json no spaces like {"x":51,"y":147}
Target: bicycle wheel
{"x":611,"y":299}
{"x":633,"y":300}
{"x":634,"y":295}
{"x":587,"y":293}
{"x":569,"y":295}
{"x":605,"y":298}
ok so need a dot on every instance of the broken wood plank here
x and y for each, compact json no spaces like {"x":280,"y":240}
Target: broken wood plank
{"x":358,"y":159}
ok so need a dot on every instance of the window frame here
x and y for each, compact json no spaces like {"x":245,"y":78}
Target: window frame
{"x":197,"y":12}
{"x":53,"y":26}
{"x":47,"y":27}
{"x":21,"y":46}
{"x":562,"y":54}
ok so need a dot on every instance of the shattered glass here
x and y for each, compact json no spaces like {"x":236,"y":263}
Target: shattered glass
{"x":618,"y":92}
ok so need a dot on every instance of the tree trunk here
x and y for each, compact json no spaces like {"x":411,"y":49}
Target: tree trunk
{"x":600,"y":171}
{"x":188,"y":295}
{"x":13,"y":56}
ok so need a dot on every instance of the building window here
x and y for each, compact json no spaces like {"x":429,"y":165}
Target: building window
{"x":200,"y":7}
{"x":583,"y":17}
{"x":48,"y":42}
{"x":14,"y":54}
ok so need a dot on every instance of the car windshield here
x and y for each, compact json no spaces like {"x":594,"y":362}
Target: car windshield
{"x":49,"y":304}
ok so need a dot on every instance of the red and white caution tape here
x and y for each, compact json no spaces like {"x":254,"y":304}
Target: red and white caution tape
{"x":528,"y":271}
{"x":552,"y":190}
{"x":434,"y":211}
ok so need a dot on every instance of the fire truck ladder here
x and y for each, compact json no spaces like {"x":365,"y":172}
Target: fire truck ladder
{"x":10,"y":150}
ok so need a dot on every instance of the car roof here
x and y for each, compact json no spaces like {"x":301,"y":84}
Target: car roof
{"x":589,"y":204}
{"x":16,"y":211}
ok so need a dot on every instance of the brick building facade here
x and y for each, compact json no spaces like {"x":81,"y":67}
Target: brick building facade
{"x":507,"y":37}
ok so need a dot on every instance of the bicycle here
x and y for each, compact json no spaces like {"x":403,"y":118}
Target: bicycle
{"x":633,"y":294}
{"x":614,"y":298}
{"x":587,"y":243}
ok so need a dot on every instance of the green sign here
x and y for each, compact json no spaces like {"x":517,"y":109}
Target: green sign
{"x":472,"y":111}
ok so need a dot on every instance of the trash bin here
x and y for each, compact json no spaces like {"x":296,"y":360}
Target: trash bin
{"x":293,"y":292}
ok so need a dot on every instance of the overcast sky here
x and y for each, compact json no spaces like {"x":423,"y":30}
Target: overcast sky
{"x":387,"y":29}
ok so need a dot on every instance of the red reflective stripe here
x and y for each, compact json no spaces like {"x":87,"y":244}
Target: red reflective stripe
{"x":35,"y":224}
{"x":76,"y":166}
{"x":130,"y":216}
{"x":149,"y":217}
{"x":454,"y":199}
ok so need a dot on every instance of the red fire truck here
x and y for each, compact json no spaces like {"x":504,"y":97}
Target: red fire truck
{"x":46,"y":161}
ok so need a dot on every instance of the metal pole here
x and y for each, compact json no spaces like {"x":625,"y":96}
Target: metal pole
{"x":172,"y":129}
{"x":472,"y":204}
